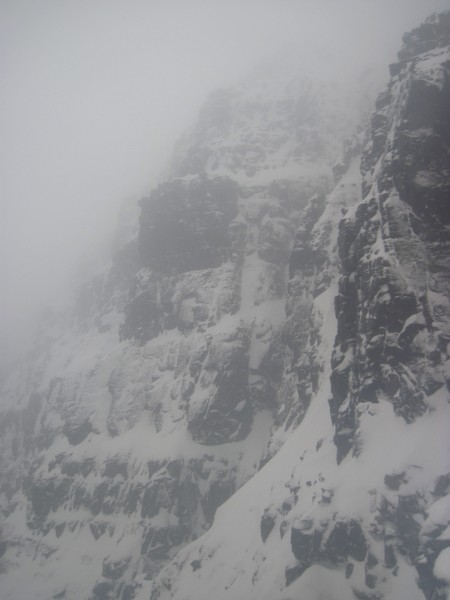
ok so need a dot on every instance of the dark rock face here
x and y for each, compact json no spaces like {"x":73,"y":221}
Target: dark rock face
{"x":312,"y":263}
{"x":77,"y":432}
{"x":267,"y":524}
{"x":330,"y":544}
{"x":393,"y":302}
{"x":228,"y":413}
{"x":345,"y":541}
{"x":434,"y":33}
{"x":186,"y":234}
{"x":114,"y":569}
{"x":305,"y":542}
{"x":394,"y":247}
{"x":221,"y":488}
{"x":307,"y":263}
{"x":158,"y":542}
{"x":160,"y":302}
{"x":184,"y":226}
{"x":144,"y":317}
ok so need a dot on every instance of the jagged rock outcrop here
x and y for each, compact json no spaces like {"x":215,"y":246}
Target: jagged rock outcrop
{"x":394,"y":246}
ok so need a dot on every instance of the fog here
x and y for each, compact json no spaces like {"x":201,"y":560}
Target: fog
{"x":96,"y":92}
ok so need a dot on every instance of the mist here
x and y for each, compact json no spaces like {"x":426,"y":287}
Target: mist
{"x":96,"y":93}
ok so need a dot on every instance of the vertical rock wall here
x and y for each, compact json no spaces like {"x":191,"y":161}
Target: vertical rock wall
{"x":393,"y":302}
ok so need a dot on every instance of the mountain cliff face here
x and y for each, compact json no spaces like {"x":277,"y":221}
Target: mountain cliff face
{"x":271,"y":339}
{"x":393,"y":246}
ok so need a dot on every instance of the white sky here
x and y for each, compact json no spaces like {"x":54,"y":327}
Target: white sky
{"x":96,"y":92}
